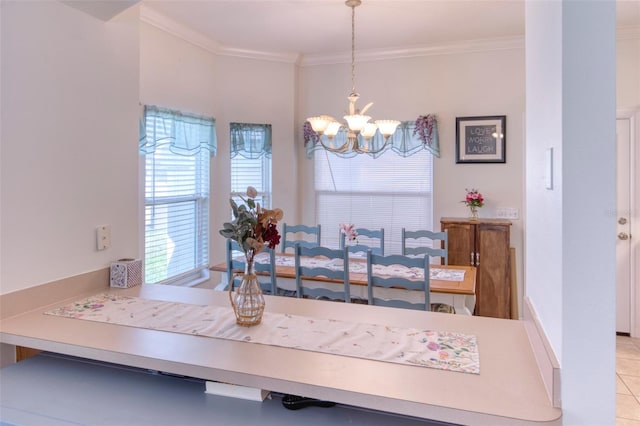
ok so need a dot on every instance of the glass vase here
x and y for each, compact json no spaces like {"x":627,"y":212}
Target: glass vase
{"x":474,"y":213}
{"x":247,"y":301}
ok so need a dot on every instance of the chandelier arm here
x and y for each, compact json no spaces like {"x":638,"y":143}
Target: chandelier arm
{"x":339,"y":150}
{"x":362,"y":151}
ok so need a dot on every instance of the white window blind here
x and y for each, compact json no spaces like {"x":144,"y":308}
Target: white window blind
{"x":251,"y":161}
{"x":252,"y":172}
{"x":389,"y":192}
{"x":176,"y":212}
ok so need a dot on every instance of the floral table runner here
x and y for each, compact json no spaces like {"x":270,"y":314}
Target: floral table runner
{"x":361,"y":267}
{"x":413,"y":346}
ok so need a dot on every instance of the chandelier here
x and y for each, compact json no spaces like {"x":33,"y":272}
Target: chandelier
{"x":357,"y":122}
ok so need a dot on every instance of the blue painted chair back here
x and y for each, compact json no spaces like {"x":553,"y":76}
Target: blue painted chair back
{"x":378,"y":281}
{"x":340,"y":272}
{"x":435,"y":244}
{"x":269,"y":285}
{"x":366,"y":240}
{"x":310,"y":231}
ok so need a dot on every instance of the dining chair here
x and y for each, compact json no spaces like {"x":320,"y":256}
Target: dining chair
{"x":377,"y":280}
{"x":371,"y":236}
{"x":418,"y":244}
{"x":334,"y":265}
{"x":269,"y":285}
{"x":387,"y":279}
{"x":309,"y":231}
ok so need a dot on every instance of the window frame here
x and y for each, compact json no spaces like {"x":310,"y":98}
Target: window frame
{"x":162,"y":156}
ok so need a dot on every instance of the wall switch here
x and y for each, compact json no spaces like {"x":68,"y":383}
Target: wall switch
{"x":103,"y":237}
{"x":507,"y":213}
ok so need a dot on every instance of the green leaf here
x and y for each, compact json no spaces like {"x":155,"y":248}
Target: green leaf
{"x":234,"y":207}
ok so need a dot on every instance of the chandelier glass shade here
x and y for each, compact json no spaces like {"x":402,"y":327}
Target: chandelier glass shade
{"x":358,"y":125}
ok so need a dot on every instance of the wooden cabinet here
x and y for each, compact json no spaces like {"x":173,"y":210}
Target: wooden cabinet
{"x":485,"y":244}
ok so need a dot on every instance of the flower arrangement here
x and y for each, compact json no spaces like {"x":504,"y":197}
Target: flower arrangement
{"x":252,"y":226}
{"x":473,"y":198}
{"x":424,"y":128}
{"x":309,"y":134}
{"x":349,"y":232}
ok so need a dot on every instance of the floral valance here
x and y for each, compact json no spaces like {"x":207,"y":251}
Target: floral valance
{"x":409,"y":138}
{"x":250,"y":140}
{"x":186,"y":133}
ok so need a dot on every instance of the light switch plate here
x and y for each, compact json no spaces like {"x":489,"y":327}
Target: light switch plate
{"x":507,"y":213}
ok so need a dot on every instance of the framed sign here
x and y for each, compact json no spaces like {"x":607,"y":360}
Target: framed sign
{"x":481,"y":139}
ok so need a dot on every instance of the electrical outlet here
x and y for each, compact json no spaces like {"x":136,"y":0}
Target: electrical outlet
{"x":507,"y":213}
{"x":103,"y":237}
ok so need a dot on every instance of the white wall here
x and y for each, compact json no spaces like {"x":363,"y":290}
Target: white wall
{"x":69,"y":132}
{"x":628,"y":71}
{"x":570,"y":245}
{"x":450,"y":85}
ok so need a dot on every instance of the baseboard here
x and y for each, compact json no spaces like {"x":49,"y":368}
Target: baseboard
{"x":545,"y":357}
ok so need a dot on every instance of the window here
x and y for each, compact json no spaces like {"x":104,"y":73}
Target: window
{"x":387,"y":192}
{"x":251,"y":160}
{"x":177,"y":150}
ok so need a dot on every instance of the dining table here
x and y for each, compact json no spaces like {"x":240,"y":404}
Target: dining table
{"x":453,"y":285}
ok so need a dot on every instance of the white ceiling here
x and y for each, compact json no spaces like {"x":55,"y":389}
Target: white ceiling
{"x":308,"y":28}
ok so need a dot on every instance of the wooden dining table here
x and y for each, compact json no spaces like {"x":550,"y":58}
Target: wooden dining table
{"x":459,"y":294}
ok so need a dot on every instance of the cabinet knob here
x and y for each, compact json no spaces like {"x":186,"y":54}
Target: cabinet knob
{"x":472,"y":260}
{"x":477,"y":259}
{"x":623,"y":236}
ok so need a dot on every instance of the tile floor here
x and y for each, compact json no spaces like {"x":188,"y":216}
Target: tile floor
{"x":628,"y":381}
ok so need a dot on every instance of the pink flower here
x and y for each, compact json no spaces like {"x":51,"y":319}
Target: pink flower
{"x":433,"y":346}
{"x":473,"y":198}
{"x":349,"y":231}
{"x":252,"y":192}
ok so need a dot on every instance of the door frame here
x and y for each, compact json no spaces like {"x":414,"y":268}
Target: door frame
{"x":633,"y":115}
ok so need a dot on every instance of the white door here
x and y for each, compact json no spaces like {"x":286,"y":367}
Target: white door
{"x":623,"y":219}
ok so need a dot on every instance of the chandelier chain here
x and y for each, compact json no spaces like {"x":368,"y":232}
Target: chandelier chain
{"x":353,"y":49}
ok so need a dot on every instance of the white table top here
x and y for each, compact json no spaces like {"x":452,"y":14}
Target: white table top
{"x":508,"y":390}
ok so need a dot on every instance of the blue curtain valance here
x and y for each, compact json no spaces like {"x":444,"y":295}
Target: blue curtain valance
{"x":250,"y":140}
{"x":403,"y":142}
{"x":186,"y":133}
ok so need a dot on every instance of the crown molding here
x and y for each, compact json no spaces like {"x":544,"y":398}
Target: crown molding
{"x":172,"y":27}
{"x":255,"y":54}
{"x":465,"y":46}
{"x":198,"y":39}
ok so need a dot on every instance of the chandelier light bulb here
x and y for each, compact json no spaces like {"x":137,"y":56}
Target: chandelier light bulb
{"x":332,"y":129}
{"x":387,"y":127}
{"x":319,"y":124}
{"x":369,"y":130}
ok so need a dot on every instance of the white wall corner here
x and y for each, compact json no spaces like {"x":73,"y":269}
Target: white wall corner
{"x":543,"y":352}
